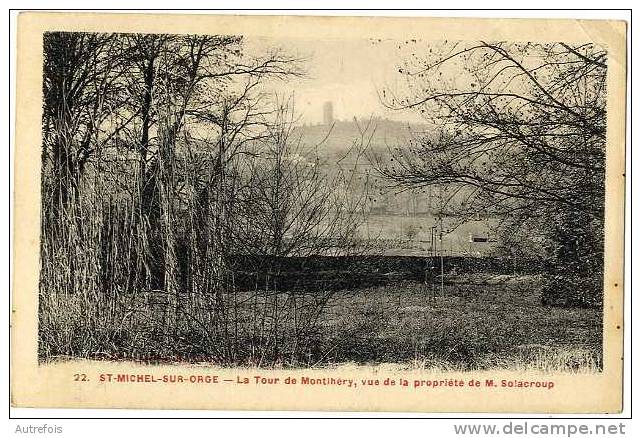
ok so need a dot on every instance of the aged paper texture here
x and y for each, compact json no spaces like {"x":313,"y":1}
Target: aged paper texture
{"x":318,"y":213}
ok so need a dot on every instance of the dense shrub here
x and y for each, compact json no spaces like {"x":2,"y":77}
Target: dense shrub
{"x":572,"y":290}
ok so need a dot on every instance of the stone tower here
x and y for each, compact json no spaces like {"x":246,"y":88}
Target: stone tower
{"x":328,"y":113}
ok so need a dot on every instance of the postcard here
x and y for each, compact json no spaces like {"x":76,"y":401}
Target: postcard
{"x":319,"y":213}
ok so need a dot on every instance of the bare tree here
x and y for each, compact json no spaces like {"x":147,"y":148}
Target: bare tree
{"x":519,"y":133}
{"x":295,"y":204}
{"x":128,"y":108}
{"x":267,"y":199}
{"x":80,"y":86}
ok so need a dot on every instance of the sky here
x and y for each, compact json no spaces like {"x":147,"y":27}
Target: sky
{"x":347,"y":72}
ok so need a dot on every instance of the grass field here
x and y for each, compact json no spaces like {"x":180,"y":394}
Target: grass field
{"x":479,"y":322}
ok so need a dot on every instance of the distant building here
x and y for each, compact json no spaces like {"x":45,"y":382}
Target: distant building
{"x":328,"y":113}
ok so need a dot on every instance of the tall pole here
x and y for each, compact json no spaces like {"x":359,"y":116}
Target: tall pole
{"x":432,"y":257}
{"x":441,"y":245}
{"x":440,"y":231}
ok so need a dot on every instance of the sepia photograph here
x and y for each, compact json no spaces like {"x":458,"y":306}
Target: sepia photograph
{"x":273,"y":202}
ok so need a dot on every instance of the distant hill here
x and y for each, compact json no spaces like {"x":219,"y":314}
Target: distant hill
{"x":339,"y":136}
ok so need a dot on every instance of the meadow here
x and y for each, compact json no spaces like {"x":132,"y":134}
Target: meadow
{"x":478,"y":321}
